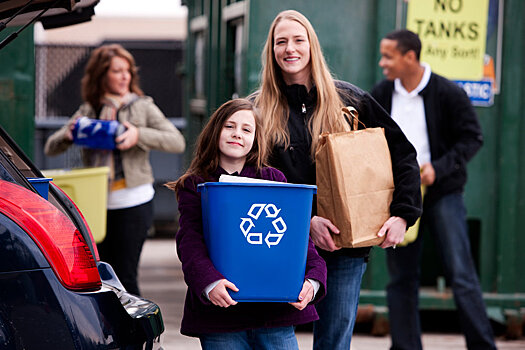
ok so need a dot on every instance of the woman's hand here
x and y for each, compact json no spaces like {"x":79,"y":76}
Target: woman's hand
{"x":129,"y":138}
{"x":219,"y":295}
{"x":320,"y":233}
{"x":305,"y":297}
{"x":395,"y":229}
{"x":68,"y":135}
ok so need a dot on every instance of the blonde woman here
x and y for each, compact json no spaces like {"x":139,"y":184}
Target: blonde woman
{"x":111,"y":91}
{"x":298,"y":100}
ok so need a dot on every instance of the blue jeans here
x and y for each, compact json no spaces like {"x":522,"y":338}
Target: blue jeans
{"x":446,"y":221}
{"x":281,"y":338}
{"x":338,"y":310}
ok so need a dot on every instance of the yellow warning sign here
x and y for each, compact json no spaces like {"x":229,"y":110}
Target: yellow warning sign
{"x":453,"y":35}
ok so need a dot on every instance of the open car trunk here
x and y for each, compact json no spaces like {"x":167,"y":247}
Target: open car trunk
{"x":54,"y":13}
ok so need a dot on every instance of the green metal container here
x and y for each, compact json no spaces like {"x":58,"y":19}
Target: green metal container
{"x":224,"y":45}
{"x":17,"y":88}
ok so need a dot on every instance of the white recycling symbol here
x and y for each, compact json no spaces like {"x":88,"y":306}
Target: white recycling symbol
{"x":83,"y":123}
{"x":271,"y":238}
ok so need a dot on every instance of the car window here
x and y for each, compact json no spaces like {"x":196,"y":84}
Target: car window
{"x":4,"y":175}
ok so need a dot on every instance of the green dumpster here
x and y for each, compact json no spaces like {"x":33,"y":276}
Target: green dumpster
{"x":223,"y":59}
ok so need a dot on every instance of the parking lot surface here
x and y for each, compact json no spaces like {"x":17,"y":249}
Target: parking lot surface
{"x":161,"y":280}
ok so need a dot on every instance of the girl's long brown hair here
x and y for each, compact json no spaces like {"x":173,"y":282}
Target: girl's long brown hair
{"x":327,"y":116}
{"x":94,"y":79}
{"x":206,"y":155}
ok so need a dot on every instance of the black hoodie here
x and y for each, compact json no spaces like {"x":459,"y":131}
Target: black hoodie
{"x":297,"y":165}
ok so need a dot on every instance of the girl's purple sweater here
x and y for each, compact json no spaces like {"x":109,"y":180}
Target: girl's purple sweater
{"x":200,"y":315}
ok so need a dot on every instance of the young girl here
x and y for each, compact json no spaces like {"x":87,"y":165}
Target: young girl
{"x":232,"y":143}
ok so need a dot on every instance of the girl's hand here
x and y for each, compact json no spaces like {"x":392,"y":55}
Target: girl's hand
{"x":129,"y":138}
{"x":320,"y":233}
{"x":395,"y":229}
{"x":305,"y":297}
{"x":219,"y":295}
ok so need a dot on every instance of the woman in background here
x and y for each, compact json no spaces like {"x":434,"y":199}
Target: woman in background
{"x":110,"y":90}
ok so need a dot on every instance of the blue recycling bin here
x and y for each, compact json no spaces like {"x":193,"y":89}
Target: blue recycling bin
{"x":257,"y":236}
{"x":41,"y":185}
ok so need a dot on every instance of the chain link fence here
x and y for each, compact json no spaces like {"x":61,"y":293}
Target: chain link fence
{"x":59,"y":70}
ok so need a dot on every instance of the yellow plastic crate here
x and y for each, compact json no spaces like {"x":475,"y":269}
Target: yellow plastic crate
{"x":88,"y":188}
{"x":413,"y":231}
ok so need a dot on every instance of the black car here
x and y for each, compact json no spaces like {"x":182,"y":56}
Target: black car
{"x":55,"y":293}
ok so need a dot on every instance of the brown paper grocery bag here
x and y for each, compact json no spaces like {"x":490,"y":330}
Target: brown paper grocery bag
{"x":354,"y":183}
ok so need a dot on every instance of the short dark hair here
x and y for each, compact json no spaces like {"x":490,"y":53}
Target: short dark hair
{"x":406,"y":41}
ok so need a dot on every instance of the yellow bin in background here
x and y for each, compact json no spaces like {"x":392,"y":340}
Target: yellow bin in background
{"x":88,"y":188}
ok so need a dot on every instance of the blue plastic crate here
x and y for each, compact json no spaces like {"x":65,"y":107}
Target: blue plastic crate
{"x":97,"y":133}
{"x":257,"y":236}
{"x":41,"y":184}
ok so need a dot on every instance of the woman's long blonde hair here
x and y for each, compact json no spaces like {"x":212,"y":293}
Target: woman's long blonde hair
{"x":271,"y":102}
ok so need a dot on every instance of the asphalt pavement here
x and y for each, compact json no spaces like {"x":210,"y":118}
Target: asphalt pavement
{"x":161,"y":280}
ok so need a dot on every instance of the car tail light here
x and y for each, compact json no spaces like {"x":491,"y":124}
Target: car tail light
{"x":93,"y":243}
{"x":59,"y":240}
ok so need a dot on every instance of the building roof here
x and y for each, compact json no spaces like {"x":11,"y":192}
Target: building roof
{"x":101,"y":28}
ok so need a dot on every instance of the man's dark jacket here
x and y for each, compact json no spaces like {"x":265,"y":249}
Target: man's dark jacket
{"x":454,"y":132}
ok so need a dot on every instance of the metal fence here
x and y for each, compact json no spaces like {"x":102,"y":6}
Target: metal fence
{"x":59,"y":70}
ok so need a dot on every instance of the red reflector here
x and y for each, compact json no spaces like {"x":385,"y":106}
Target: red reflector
{"x":59,"y":240}
{"x":93,"y":243}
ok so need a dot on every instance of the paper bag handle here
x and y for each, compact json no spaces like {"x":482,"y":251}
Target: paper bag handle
{"x":351,"y":111}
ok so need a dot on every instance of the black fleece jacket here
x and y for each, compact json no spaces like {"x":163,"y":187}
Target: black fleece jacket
{"x":453,"y":130}
{"x":297,"y":164}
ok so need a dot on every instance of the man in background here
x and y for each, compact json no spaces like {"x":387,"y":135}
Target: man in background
{"x":438,"y":119}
